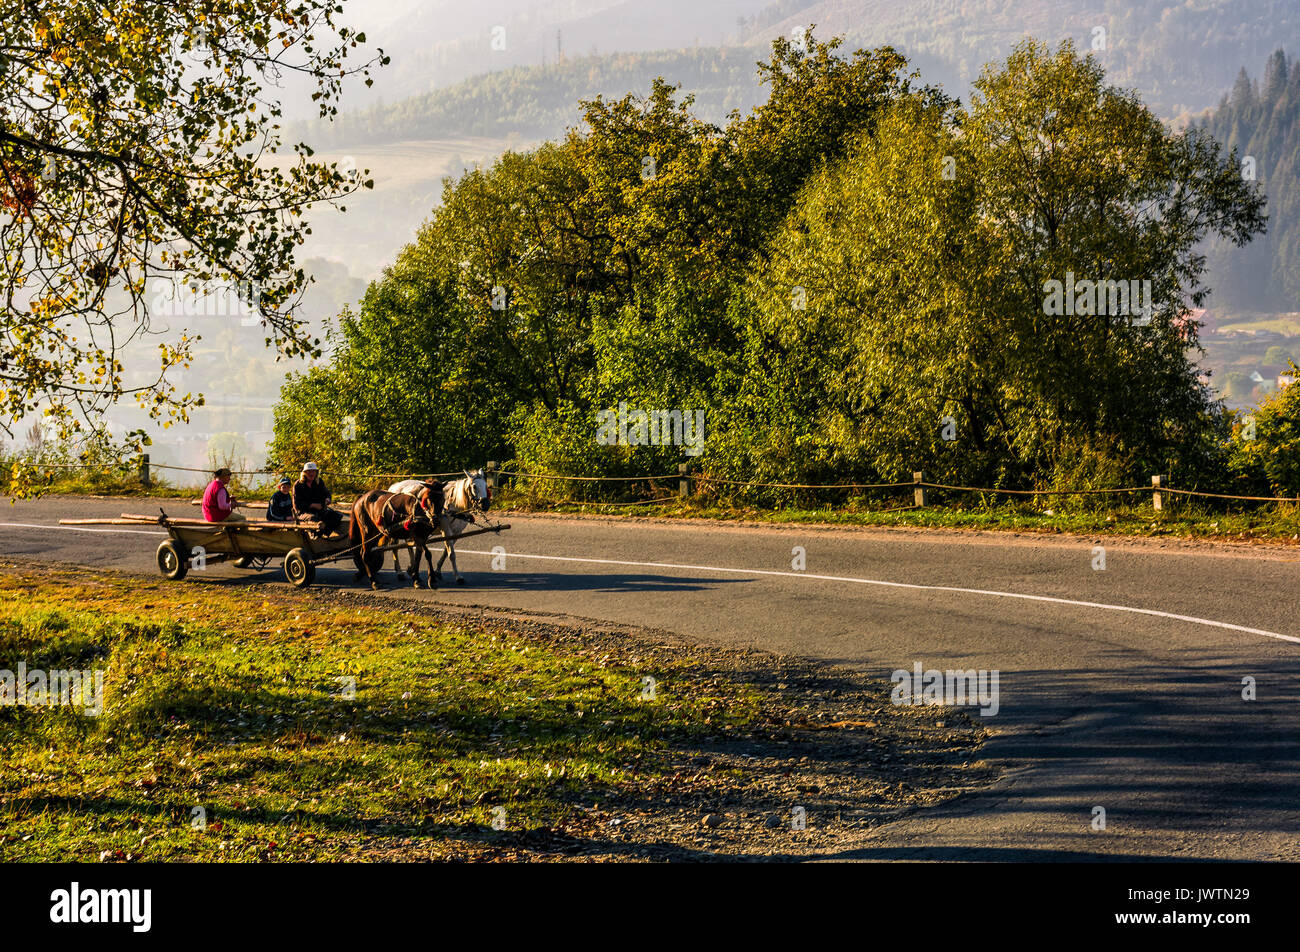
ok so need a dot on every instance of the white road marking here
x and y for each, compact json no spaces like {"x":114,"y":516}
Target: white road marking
{"x":29,"y":525}
{"x":825,"y":578}
{"x":909,"y":585}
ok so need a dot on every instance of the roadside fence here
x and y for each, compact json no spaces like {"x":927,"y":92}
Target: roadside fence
{"x":691,"y":483}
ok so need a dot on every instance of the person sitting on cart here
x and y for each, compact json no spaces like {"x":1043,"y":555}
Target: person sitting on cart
{"x":311,"y":500}
{"x":281,"y":506}
{"x":218,"y":506}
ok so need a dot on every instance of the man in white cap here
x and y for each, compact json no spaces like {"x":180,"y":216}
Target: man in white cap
{"x":311,"y":500}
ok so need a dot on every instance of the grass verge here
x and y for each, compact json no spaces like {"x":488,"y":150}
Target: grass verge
{"x":1267,"y":522}
{"x":330,"y":726}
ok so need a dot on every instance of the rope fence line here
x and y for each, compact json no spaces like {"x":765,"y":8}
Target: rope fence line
{"x":688,"y":480}
{"x":1192,"y":492}
{"x":1041,"y":492}
{"x":734,"y":482}
{"x":273,"y":472}
{"x":585,"y":479}
{"x":918,"y":485}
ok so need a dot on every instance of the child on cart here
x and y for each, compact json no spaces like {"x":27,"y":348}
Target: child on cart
{"x":281,"y":505}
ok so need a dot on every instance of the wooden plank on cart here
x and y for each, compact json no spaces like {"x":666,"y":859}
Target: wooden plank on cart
{"x":155,"y":521}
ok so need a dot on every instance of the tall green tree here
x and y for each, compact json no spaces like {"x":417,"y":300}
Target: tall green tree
{"x":691,"y":208}
{"x":1080,"y":178}
{"x":925,"y":259}
{"x":844,"y":278}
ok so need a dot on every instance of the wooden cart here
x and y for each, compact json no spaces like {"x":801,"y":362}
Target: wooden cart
{"x":253,"y":544}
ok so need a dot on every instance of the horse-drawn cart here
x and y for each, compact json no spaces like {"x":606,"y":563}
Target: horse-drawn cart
{"x":195,"y":543}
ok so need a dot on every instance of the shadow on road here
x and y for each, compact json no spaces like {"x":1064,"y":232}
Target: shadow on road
{"x":487,"y":581}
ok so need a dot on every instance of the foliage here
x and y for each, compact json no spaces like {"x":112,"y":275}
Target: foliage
{"x":138,"y":141}
{"x":850,"y":280}
{"x":92,"y":464}
{"x":1272,"y":456}
{"x":925,"y":293}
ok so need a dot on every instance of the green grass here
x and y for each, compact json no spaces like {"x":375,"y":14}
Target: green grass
{"x":125,"y":481}
{"x":109,"y":481}
{"x":1286,"y":324}
{"x":1190,"y":520}
{"x":228,"y":703}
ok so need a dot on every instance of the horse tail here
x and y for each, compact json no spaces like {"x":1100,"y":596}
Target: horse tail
{"x":354,"y":524}
{"x":355,"y":534}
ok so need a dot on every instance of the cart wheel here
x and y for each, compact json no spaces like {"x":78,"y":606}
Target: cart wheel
{"x":244,"y":561}
{"x":298,"y":570}
{"x":171,"y":562}
{"x":376,"y":561}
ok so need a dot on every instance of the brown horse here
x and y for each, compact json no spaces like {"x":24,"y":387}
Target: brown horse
{"x":379,"y":517}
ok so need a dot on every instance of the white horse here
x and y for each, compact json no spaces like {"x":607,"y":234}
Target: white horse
{"x":461,"y":498}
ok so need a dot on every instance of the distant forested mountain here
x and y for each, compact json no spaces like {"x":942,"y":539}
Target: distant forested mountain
{"x":537,"y":102}
{"x":1180,"y":56}
{"x":435,"y":44}
{"x":1261,"y":120}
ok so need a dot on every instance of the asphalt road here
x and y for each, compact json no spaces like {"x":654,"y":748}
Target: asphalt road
{"x":1118,"y":688}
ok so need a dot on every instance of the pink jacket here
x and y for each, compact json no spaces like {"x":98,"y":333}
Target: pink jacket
{"x":216,"y":502}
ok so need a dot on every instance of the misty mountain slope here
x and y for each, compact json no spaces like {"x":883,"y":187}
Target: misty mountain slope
{"x":1179,"y":56}
{"x":532,"y":102}
{"x":1261,"y":120}
{"x":437,"y":43}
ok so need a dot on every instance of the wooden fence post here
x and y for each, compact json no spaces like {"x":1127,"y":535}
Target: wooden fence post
{"x":144,"y":471}
{"x":490,"y":474}
{"x":1157,"y":497}
{"x":683,"y":479}
{"x":919,"y":496}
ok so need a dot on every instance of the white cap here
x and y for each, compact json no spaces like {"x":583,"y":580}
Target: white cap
{"x":310,"y":466}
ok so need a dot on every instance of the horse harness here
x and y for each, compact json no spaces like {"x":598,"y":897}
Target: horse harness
{"x":390,"y":516}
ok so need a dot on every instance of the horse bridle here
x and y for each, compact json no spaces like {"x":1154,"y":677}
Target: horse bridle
{"x":476,"y":502}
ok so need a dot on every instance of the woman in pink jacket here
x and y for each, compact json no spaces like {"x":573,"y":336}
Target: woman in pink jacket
{"x":217,"y":504}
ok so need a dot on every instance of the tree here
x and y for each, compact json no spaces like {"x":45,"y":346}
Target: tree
{"x":140,"y":140}
{"x":1082,"y":179}
{"x":1273,"y":449}
{"x":691,"y":208}
{"x":871,"y":321}
{"x":819,"y":104}
{"x":830,"y":277}
{"x":925,"y":257}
